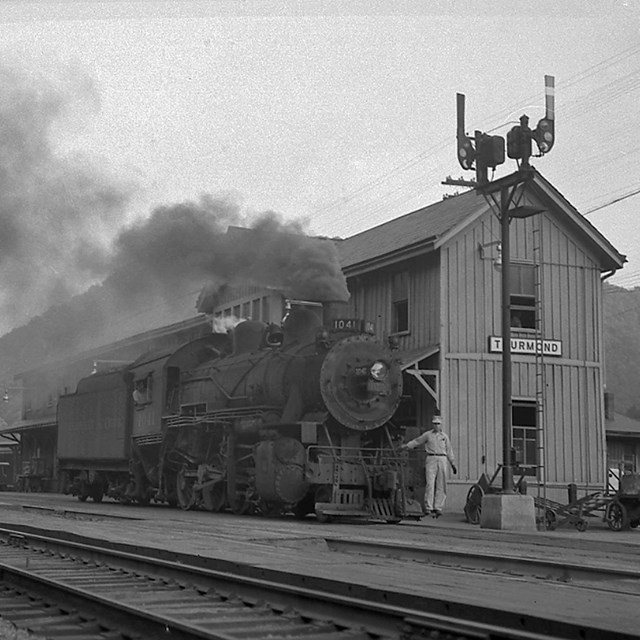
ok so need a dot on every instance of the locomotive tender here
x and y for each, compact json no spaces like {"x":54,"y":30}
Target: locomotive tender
{"x":263,"y":419}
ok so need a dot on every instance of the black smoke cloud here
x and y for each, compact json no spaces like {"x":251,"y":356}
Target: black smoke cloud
{"x":160,"y":266}
{"x":79,"y":278}
{"x":213,"y":243}
{"x":55,"y":208}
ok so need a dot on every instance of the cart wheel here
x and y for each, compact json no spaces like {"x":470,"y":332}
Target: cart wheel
{"x":550,"y":520}
{"x":473,"y":505}
{"x":582,"y":525}
{"x":616,"y":516}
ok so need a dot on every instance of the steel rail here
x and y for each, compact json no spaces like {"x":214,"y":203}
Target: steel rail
{"x":386,"y":613}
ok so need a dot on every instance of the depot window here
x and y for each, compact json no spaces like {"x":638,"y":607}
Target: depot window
{"x":523,"y":296}
{"x":400,"y":302}
{"x":525,"y":435}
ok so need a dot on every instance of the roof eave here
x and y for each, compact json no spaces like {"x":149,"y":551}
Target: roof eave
{"x":463,"y":224}
{"x":622,"y":434}
{"x":611,"y":258}
{"x":393,"y":257}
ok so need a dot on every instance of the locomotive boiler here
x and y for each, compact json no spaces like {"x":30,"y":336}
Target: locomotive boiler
{"x":267,"y":419}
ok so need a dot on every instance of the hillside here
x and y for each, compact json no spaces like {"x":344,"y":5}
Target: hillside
{"x":622,"y":347}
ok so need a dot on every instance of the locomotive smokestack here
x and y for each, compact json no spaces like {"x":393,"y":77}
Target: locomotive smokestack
{"x":334,"y":309}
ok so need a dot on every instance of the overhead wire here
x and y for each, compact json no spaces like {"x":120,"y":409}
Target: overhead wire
{"x":635,"y":192}
{"x":600,"y":97}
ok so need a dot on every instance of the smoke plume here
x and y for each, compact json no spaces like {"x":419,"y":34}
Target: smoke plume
{"x":55,"y":208}
{"x":212,"y":242}
{"x":84,"y":279}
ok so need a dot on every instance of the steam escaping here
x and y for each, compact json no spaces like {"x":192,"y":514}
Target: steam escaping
{"x":225,"y":323}
{"x":56,"y":209}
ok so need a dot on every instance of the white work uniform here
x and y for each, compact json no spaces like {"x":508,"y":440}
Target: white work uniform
{"x":438,"y":448}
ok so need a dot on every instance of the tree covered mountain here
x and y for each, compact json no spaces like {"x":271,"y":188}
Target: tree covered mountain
{"x":621,"y":309}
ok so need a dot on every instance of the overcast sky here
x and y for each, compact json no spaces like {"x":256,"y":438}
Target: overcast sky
{"x":341,"y":113}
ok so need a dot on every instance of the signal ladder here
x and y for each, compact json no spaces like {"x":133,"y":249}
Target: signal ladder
{"x":540,"y":369}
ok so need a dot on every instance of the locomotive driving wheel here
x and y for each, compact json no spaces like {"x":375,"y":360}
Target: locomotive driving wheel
{"x":169,"y":488}
{"x":214,"y":496}
{"x":185,"y":489}
{"x":241,"y":505}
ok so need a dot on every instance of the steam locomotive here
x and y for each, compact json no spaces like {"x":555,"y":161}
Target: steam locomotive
{"x":268,"y":419}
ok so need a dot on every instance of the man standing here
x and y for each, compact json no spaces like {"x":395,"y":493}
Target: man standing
{"x":439,"y":456}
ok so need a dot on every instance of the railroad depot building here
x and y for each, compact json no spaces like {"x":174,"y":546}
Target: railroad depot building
{"x":431,"y":281}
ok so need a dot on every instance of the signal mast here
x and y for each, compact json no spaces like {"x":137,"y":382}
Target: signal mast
{"x":488,"y":151}
{"x":481,"y":153}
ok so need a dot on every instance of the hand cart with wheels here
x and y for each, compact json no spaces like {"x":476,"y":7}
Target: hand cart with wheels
{"x":575,"y":513}
{"x":623,"y":510}
{"x":484,"y":486}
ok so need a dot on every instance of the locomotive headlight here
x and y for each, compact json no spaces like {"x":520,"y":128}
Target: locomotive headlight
{"x":379,"y":370}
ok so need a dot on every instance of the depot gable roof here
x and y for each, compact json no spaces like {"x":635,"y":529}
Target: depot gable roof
{"x":410,"y":234}
{"x":428,"y":228}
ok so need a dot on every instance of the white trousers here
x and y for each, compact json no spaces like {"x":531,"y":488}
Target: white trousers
{"x":436,"y":475}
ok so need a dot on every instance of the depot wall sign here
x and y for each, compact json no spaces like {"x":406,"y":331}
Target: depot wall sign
{"x":529,"y":346}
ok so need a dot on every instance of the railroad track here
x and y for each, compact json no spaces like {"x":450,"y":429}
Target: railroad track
{"x":87,"y":591}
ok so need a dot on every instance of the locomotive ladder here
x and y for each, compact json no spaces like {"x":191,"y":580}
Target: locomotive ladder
{"x":540,"y":372}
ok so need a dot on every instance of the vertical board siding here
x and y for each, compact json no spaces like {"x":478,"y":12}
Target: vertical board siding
{"x":472,"y":378}
{"x":472,"y":294}
{"x":371,"y":299}
{"x":568,"y":279}
{"x":572,"y":431}
{"x":455,"y":301}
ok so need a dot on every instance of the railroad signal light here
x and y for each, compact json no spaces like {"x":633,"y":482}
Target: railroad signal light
{"x":514,"y":142}
{"x":544,"y":135}
{"x":484,"y":151}
{"x":491,"y":150}
{"x":519,"y":141}
{"x":466,"y":151}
